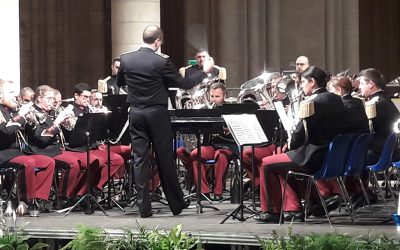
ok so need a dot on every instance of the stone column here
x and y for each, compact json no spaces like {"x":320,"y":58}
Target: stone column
{"x":9,"y":49}
{"x":128,"y":19}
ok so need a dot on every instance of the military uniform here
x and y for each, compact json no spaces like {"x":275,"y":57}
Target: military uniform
{"x":148,"y":76}
{"x":356,"y":122}
{"x":97,"y":156}
{"x":306,"y":156}
{"x":386,"y":115}
{"x":220,"y":148}
{"x":39,"y":169}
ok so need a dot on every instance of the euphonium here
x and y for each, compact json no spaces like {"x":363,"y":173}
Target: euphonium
{"x":200,"y":98}
{"x":258,"y":90}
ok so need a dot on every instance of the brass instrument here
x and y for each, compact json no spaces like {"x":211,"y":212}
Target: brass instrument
{"x":196,"y":97}
{"x":258,"y":90}
{"x":69,"y":120}
{"x":30,"y":117}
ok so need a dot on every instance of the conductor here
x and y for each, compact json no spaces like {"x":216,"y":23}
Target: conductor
{"x":148,"y":74}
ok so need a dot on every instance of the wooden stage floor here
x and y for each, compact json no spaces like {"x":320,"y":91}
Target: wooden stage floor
{"x":207,"y":225}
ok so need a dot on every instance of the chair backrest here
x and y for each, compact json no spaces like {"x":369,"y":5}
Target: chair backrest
{"x":358,"y":156}
{"x":385,"y":160}
{"x":336,"y":157}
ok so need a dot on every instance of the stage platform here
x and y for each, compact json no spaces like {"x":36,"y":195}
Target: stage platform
{"x":206,"y":225}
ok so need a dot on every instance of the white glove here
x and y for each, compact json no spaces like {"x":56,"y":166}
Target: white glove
{"x":63,"y":115}
{"x":60,"y":118}
{"x":25,"y":108}
{"x":208,"y":64}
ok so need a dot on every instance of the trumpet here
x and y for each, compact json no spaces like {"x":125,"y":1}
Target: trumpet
{"x":65,"y":116}
{"x":32,"y":116}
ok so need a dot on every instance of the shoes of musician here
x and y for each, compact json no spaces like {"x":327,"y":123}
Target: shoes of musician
{"x":218,"y":197}
{"x":267,"y":217}
{"x":332,"y":203}
{"x":295,"y":216}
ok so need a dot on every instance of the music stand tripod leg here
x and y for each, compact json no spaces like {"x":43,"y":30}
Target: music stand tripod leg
{"x":109,"y":197}
{"x":88,"y":196}
{"x":240,"y":209}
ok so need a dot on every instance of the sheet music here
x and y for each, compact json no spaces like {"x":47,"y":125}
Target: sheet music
{"x":246,"y":129}
{"x":285,"y":120}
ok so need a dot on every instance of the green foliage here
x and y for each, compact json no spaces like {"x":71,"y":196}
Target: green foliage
{"x":328,"y":241}
{"x":13,"y":241}
{"x":154,"y":240}
{"x":88,"y":238}
{"x":93,"y":238}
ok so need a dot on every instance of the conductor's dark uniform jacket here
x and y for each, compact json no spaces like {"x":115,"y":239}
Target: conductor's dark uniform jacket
{"x":148,"y":75}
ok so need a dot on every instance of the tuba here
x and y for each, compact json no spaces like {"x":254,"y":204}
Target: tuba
{"x":258,"y":90}
{"x":197,"y":97}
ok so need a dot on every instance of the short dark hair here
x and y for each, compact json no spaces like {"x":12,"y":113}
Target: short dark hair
{"x":80,"y":87}
{"x":116,"y":59}
{"x":374,"y":75}
{"x":319,"y":75}
{"x":199,"y":50}
{"x":151,"y":33}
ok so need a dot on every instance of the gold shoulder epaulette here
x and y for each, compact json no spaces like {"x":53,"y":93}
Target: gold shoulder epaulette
{"x":222,"y":73}
{"x":162,"y":55}
{"x":182,"y":71}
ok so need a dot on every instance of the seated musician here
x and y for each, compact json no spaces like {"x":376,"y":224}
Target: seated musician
{"x":112,"y":87}
{"x":96,"y":106}
{"x":264,"y":151}
{"x":356,"y":122}
{"x":39,"y":169}
{"x":372,"y":87}
{"x":215,"y":147}
{"x":308,"y":148}
{"x":26,"y":95}
{"x":80,"y":107}
{"x":45,"y":137}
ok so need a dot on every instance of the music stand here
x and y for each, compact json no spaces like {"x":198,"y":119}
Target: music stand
{"x":198,"y":122}
{"x":109,"y":198}
{"x":119,"y":116}
{"x":88,"y":129}
{"x":246,"y":131}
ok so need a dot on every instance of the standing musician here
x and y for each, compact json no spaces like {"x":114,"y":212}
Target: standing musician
{"x":148,"y":75}
{"x":309,"y":147}
{"x":201,"y":56}
{"x":100,"y":176}
{"x":39,"y":169}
